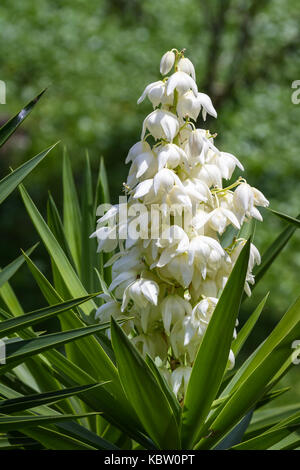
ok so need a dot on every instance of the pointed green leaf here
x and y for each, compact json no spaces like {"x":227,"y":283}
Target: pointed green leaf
{"x":92,"y":361}
{"x":72,"y":213}
{"x":55,"y":251}
{"x":272,"y":252}
{"x":143,"y":391}
{"x":272,"y":436}
{"x":11,"y":181}
{"x":263,"y":419}
{"x":172,"y":399}
{"x":9,"y":270}
{"x":57,"y":228}
{"x":23,"y":321}
{"x":89,"y":245}
{"x":13,"y":423}
{"x":18,"y":350}
{"x":248,"y":386}
{"x":16,"y":405}
{"x":9,"y":127}
{"x":56,"y":440}
{"x":248,"y":327}
{"x":287,"y":218}
{"x":212,"y":356}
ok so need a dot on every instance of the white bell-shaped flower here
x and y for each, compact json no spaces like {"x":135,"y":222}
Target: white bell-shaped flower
{"x":111,"y":308}
{"x":185,"y":65}
{"x":181,"y":82}
{"x":173,"y":241}
{"x":180,"y":269}
{"x":107,"y":238}
{"x":143,"y":167}
{"x":245,"y":199}
{"x":170,"y":155}
{"x":164,"y":181}
{"x":207,"y":106}
{"x":142,"y":292}
{"x":200,"y":249}
{"x":220,"y":217}
{"x":188,"y":105}
{"x":161,"y":124}
{"x":226,"y":162}
{"x":136,"y":149}
{"x":156,"y":92}
{"x":174,"y":308}
{"x":179,"y":379}
{"x":152,"y":344}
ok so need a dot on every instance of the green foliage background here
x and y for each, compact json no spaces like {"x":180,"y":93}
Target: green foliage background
{"x":96,"y":57}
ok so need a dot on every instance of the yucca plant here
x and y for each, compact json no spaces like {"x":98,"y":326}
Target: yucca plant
{"x":81,"y":388}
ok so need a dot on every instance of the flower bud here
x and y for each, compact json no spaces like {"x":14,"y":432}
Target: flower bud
{"x":167,"y":62}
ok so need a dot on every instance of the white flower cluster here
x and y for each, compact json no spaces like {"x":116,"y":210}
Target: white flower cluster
{"x":170,"y":284}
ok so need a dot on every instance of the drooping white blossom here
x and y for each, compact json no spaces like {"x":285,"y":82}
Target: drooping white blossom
{"x":169,"y":276}
{"x":167,"y":62}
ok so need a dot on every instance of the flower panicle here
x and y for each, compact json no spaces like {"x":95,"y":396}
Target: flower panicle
{"x":170,"y":283}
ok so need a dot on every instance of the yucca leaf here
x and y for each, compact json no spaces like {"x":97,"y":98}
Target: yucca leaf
{"x":57,"y":228}
{"x":264,"y":419}
{"x":56,"y":440}
{"x":13,"y":423}
{"x":89,"y":361}
{"x":18,"y":323}
{"x":272,"y":252}
{"x":287,"y":218}
{"x":236,"y":435}
{"x":248,"y":327}
{"x":212,"y":356}
{"x":71,"y":429}
{"x":228,"y":236}
{"x":15,"y":443}
{"x":143,"y":391}
{"x":9,"y":127}
{"x":89,"y":246}
{"x":102,"y":197}
{"x":278,"y":432}
{"x":290,"y":442}
{"x":10,"y":299}
{"x":18,"y":350}
{"x":116,"y":409}
{"x":9,"y":270}
{"x":271,"y":395}
{"x":249,"y":385}
{"x":64,"y":266}
{"x":84,"y":435}
{"x":16,"y":405}
{"x":172,"y":399}
{"x":102,"y":187}
{"x":247,"y":230}
{"x":72,"y":213}
{"x":12,"y":180}
{"x":43,"y":379}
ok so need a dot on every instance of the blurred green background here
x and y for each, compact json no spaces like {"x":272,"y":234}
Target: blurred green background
{"x":96,"y":57}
